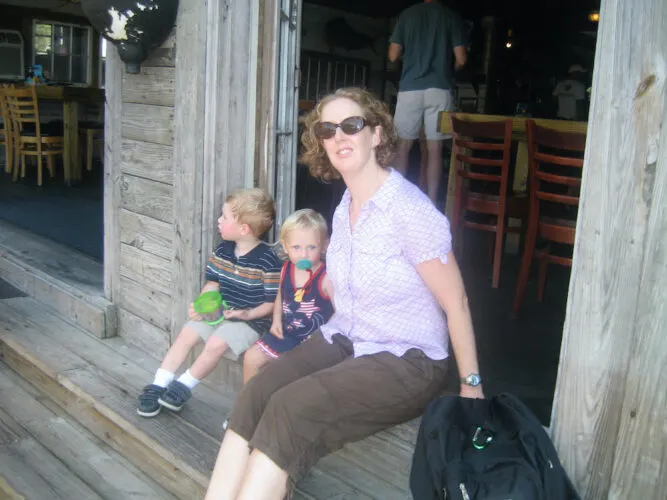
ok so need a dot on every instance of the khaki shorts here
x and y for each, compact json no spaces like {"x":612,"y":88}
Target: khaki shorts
{"x":238,"y":335}
{"x":415,"y":108}
{"x":315,"y":398}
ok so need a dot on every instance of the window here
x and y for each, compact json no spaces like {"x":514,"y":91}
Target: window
{"x":101,"y":71}
{"x":11,"y":55}
{"x":63,"y":50}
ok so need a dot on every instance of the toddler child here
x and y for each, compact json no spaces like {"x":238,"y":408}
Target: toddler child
{"x":246,"y":272}
{"x":305,"y":298}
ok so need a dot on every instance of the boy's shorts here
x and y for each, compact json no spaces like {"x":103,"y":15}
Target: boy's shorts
{"x":239,"y":335}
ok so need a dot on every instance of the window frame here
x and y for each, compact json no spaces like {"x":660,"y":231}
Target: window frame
{"x":88,"y":45}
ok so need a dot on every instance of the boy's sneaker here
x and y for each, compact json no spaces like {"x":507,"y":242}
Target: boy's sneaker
{"x":176,"y":395}
{"x":148,"y":400}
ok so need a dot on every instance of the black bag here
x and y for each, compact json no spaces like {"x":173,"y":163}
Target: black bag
{"x":485,"y":449}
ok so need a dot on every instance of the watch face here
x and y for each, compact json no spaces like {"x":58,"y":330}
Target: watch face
{"x":473,"y":379}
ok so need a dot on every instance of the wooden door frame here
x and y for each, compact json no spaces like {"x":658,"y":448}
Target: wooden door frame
{"x":610,"y":405}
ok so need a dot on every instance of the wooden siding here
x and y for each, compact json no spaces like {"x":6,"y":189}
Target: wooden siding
{"x":611,"y":404}
{"x":181,"y":136}
{"x":139,"y":196}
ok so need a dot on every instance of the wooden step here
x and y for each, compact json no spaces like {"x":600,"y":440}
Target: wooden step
{"x":52,"y":434}
{"x":97,"y":382}
{"x":67,"y":281}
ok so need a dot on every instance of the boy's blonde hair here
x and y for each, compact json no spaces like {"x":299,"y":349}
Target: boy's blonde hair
{"x":253,"y":207}
{"x":305,"y":218}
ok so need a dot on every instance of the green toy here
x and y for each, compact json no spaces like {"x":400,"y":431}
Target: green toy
{"x":210,"y":306}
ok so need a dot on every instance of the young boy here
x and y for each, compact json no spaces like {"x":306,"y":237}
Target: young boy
{"x":246,"y":271}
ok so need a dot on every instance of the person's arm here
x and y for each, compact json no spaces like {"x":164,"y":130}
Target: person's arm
{"x":445,"y":283}
{"x":261,"y":311}
{"x":394,"y":52}
{"x":460,"y":57}
{"x":327,"y":286}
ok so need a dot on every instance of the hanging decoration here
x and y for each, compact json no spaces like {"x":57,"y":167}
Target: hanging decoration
{"x":135,"y":27}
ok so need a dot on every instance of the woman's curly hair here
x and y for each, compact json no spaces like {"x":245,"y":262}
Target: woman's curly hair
{"x":375,"y":112}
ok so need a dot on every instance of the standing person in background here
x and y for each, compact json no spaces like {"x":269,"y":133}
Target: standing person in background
{"x":571,"y":94}
{"x":426,"y":36}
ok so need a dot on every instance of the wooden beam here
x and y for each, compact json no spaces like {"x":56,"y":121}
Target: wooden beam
{"x":189,"y":165}
{"x":147,"y":160}
{"x":145,"y":122}
{"x":112,"y":173}
{"x":611,"y":404}
{"x":147,"y":197}
{"x":152,"y":86}
{"x":231,"y":59}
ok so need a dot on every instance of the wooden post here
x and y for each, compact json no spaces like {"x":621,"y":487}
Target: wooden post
{"x":112,"y":174}
{"x":189,"y":166}
{"x":610,"y":405}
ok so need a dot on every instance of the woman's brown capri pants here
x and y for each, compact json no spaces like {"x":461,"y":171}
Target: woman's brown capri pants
{"x":317,"y":397}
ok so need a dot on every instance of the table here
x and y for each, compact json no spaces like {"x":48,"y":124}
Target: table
{"x":518,"y":134}
{"x":71,"y":97}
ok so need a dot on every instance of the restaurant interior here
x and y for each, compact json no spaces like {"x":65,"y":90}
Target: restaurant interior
{"x":519,"y":52}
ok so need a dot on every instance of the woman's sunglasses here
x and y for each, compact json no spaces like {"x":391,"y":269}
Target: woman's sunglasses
{"x":349,"y":126}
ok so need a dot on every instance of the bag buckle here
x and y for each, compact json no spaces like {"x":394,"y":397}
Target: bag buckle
{"x":482,"y":438}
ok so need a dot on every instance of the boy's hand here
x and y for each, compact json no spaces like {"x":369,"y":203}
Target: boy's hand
{"x":277,"y":329}
{"x":192,"y":314}
{"x":241,"y":314}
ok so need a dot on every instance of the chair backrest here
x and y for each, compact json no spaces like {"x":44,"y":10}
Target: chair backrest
{"x":482,"y":150}
{"x":23,"y":108}
{"x":556,"y":161}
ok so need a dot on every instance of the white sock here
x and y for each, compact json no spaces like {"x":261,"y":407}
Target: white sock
{"x":188,"y":380}
{"x":163,"y":377}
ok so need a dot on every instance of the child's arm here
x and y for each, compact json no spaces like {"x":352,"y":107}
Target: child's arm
{"x":327,"y":287}
{"x":277,"y":326}
{"x":266,"y":309}
{"x":208,"y":286}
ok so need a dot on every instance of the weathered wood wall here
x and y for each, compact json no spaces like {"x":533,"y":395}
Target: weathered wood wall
{"x":139,"y":196}
{"x":180,"y":136}
{"x":610,"y":411}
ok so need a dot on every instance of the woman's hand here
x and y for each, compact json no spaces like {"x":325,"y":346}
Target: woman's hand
{"x":241,"y":314}
{"x":277,"y":329}
{"x":192,"y":314}
{"x":471,"y":392}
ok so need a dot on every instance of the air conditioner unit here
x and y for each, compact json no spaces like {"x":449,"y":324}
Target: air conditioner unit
{"x":12,"y":64}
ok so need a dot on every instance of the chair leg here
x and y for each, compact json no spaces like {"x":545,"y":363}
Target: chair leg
{"x":498,"y":254}
{"x":524,"y":270}
{"x":23,"y":158}
{"x":49,"y":165}
{"x":90,"y":144}
{"x":542,"y":279}
{"x":40,"y":162}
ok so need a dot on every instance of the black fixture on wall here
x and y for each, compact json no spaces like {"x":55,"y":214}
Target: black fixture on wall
{"x":135,"y":27}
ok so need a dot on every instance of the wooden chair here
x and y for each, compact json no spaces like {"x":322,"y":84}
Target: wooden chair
{"x":93,"y":134}
{"x":34,"y":138}
{"x":554,"y":180}
{"x":6,"y":134}
{"x":482,"y":151}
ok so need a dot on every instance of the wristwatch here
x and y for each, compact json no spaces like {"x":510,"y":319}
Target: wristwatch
{"x":473,"y":380}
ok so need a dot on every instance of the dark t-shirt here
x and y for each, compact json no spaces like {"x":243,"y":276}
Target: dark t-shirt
{"x":428,"y":33}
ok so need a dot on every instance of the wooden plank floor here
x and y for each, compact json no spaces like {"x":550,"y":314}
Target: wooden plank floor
{"x":44,"y":453}
{"x":97,"y":381}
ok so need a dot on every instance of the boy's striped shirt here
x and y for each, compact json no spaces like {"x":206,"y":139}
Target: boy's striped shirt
{"x":247,"y":281}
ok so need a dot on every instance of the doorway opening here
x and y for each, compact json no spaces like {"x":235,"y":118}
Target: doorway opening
{"x":515,"y":62}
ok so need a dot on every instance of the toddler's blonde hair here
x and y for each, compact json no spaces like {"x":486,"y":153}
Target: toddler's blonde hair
{"x":253,"y":207}
{"x":305,"y":218}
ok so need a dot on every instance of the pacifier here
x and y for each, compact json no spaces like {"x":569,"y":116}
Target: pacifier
{"x":304,"y":264}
